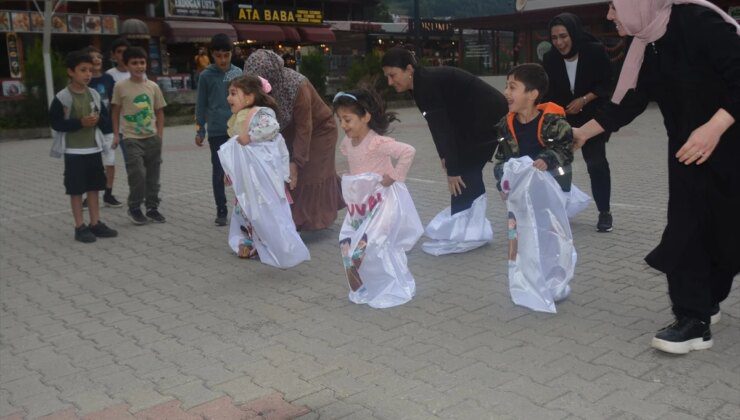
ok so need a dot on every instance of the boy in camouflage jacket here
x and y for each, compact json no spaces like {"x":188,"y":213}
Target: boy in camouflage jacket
{"x":538,"y":131}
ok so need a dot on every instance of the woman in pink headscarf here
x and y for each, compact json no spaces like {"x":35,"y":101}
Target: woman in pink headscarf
{"x":685,"y":55}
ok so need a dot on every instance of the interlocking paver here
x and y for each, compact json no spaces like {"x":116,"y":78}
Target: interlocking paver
{"x":163,"y":318}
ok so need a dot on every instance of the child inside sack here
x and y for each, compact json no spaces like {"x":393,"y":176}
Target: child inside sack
{"x":255,"y":161}
{"x":381,"y":224}
{"x":539,"y":132}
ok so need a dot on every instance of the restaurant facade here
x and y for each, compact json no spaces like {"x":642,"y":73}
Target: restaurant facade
{"x":170,"y":30}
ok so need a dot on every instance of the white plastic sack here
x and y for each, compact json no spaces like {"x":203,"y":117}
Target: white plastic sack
{"x":542,"y":257}
{"x":262,"y":222}
{"x":575,"y":201}
{"x":381,"y":225}
{"x":459,"y":232}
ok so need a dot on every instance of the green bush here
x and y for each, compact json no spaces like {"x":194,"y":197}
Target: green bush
{"x":367,"y":72}
{"x":314,"y":67}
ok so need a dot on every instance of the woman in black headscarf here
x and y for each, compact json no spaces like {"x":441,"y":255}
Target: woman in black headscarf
{"x":580,"y":81}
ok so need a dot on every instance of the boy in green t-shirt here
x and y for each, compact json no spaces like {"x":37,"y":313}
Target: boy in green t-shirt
{"x":77,"y":116}
{"x":138,"y":107}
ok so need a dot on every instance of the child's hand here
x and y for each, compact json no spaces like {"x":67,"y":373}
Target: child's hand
{"x":244,"y":139}
{"x":116,"y":140}
{"x":293,"y":176}
{"x":227,"y":181}
{"x":387,"y":181}
{"x":89,"y":121}
{"x":199,"y":140}
{"x":540,"y":164}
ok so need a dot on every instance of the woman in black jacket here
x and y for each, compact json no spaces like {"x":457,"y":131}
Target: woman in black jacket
{"x":580,"y":81}
{"x":462,"y":111}
{"x":686,"y":57}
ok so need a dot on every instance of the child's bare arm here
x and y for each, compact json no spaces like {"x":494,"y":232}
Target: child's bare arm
{"x":160,"y":122}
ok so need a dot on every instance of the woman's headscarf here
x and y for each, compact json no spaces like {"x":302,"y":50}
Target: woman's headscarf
{"x":575,"y":30}
{"x":647,"y":21}
{"x":284,"y":81}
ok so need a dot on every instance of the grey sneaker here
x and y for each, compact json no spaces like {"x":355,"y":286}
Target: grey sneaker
{"x":84,"y":235}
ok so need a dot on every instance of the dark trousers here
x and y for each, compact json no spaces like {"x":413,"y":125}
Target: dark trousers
{"x":695,"y":289}
{"x":474,"y":188}
{"x":143,"y":161}
{"x":219,"y":192}
{"x":594,"y":153}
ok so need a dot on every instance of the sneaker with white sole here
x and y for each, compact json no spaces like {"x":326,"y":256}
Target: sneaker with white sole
{"x":111,"y":201}
{"x":684,"y":335}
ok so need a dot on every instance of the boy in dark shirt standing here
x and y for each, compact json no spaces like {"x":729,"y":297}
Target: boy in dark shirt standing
{"x":77,"y":116}
{"x":212,"y":111}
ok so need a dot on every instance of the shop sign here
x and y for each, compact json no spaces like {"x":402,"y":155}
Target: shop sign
{"x":14,"y":60}
{"x":433,"y":27}
{"x":266,"y":14}
{"x":23,"y":21}
{"x":201,"y":9}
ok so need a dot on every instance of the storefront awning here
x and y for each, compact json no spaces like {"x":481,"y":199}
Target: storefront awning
{"x":187,"y":32}
{"x":265,"y":33}
{"x":291,"y":34}
{"x":317,"y":35}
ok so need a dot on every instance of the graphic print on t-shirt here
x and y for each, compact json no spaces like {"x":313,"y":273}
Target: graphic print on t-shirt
{"x":142,"y":120}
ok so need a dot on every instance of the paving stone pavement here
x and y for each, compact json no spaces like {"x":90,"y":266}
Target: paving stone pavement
{"x":164,"y":322}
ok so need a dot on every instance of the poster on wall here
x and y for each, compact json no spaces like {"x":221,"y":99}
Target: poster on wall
{"x":201,"y":9}
{"x":76,"y":24}
{"x":21,"y":22}
{"x":4,"y":20}
{"x":15,"y":21}
{"x":155,"y":62}
{"x":14,"y":59}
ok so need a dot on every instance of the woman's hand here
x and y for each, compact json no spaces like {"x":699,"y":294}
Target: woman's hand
{"x":504,"y":196}
{"x":456,"y":185}
{"x":293,"y":176}
{"x":227,"y":181}
{"x":387,"y":181}
{"x":575,"y":106}
{"x":704,"y":139}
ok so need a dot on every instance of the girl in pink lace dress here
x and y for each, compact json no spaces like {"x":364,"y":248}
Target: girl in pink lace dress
{"x":381,"y":224}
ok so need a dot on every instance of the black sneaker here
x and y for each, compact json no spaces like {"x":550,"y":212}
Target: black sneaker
{"x":84,"y":204}
{"x":716,"y":315}
{"x":154,"y":215}
{"x":84,"y":234}
{"x":221,"y":218}
{"x":110,"y":201}
{"x":605,"y":222}
{"x":137,"y":217}
{"x":102,"y":231}
{"x":683,"y":335}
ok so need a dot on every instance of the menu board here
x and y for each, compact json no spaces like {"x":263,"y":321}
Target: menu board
{"x":73,"y":23}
